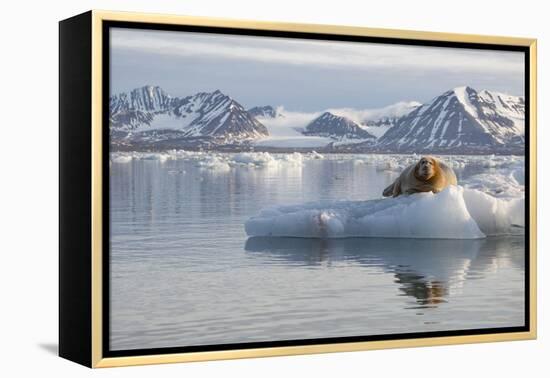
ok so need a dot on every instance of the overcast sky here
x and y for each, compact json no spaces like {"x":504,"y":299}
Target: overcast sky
{"x":304,"y":75}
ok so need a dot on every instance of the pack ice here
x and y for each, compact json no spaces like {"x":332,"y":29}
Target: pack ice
{"x":454,"y":213}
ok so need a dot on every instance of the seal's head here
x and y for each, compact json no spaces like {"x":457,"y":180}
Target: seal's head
{"x":426,"y":168}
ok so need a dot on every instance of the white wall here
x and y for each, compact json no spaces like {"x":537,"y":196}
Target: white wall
{"x":28,"y":187}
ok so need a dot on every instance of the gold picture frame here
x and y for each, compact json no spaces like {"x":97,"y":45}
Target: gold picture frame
{"x":81,"y":256}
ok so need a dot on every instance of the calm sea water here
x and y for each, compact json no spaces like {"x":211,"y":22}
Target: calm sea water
{"x":183,"y":271}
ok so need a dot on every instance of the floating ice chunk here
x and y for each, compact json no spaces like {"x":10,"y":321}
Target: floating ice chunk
{"x":295,"y":158}
{"x":121,"y":158}
{"x":389,"y":165}
{"x":255,"y":158}
{"x":393,"y":163}
{"x":265,"y":159}
{"x":163,"y":157}
{"x":455,"y":163}
{"x":496,"y":216}
{"x":422,"y":215}
{"x":518,"y":175}
{"x":155,"y":156}
{"x":316,"y":155}
{"x":147,"y":156}
{"x":214,"y":163}
{"x":501,"y":185}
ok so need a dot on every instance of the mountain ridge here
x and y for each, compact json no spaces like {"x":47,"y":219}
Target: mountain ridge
{"x":147,"y":115}
{"x":459,"y":120}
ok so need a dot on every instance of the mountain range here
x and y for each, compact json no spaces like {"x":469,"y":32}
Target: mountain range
{"x":461,"y":120}
{"x":147,"y":117}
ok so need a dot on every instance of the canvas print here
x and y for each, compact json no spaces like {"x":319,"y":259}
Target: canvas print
{"x":267,"y":189}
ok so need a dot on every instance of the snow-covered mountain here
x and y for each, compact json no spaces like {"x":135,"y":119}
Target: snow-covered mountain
{"x":130,"y":111}
{"x":266,"y":111}
{"x":147,"y":99}
{"x":148,"y":115}
{"x":216,"y":114}
{"x":330,"y":125}
{"x":460,"y":120}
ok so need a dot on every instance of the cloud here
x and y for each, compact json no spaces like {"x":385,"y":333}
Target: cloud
{"x":326,"y":54}
{"x":287,"y":124}
{"x":362,"y":115}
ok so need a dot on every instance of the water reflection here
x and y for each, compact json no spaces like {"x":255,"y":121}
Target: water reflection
{"x":428,"y":270}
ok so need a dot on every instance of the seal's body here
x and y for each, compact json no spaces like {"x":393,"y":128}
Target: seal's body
{"x":428,"y":175}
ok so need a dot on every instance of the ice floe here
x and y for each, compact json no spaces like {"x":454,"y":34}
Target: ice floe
{"x":221,"y":160}
{"x":121,"y":158}
{"x":214,"y":163}
{"x":455,"y":213}
{"x":392,"y":163}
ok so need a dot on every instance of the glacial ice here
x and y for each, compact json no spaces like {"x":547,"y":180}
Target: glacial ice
{"x":454,"y":213}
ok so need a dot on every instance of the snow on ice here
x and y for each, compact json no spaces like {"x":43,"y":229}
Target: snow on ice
{"x":455,"y":213}
{"x":415,"y":216}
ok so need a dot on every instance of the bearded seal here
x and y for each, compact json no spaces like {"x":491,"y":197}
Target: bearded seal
{"x":428,"y":175}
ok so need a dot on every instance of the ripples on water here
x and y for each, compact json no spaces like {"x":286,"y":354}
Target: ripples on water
{"x":184,"y":273}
